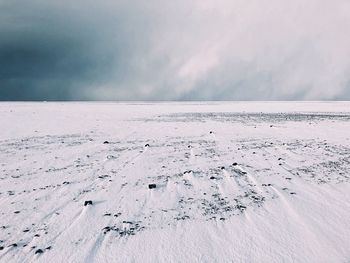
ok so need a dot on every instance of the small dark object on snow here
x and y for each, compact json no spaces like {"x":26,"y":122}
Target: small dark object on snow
{"x":107,"y":214}
{"x":293,"y":193}
{"x":280,"y":159}
{"x":271,"y":126}
{"x":288,"y":178}
{"x":106,"y":142}
{"x":146,"y":145}
{"x":222,"y":168}
{"x":241,"y":207}
{"x":212,"y":178}
{"x":86,"y":203}
{"x":17,"y":212}
{"x":13,"y":245}
{"x":151,"y":186}
{"x":1,"y":248}
{"x":211,"y":132}
{"x":234,"y":164}
{"x":39,"y":251}
{"x":48,"y":248}
{"x":106,"y":229}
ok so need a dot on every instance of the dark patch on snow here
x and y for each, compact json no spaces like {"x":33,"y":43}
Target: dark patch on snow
{"x":86,"y":203}
{"x":39,"y":251}
{"x":152,"y":186}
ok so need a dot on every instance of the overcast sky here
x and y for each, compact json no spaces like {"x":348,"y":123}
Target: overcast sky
{"x":175,"y":50}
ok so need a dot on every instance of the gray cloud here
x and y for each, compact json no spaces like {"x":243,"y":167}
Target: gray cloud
{"x":168,"y":50}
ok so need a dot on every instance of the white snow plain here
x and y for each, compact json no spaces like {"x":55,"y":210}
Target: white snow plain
{"x":235,"y":182}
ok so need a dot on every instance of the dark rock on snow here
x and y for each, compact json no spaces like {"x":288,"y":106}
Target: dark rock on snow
{"x":39,"y":251}
{"x":151,"y":186}
{"x":86,"y":203}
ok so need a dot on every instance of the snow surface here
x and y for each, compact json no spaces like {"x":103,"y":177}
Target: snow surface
{"x":235,"y":182}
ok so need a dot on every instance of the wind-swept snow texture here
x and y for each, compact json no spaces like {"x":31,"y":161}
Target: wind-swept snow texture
{"x":175,"y":182}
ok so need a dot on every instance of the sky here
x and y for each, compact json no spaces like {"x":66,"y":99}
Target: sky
{"x":175,"y":50}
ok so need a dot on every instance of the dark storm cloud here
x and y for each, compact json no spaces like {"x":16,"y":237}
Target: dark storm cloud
{"x":155,"y":50}
{"x":59,"y":51}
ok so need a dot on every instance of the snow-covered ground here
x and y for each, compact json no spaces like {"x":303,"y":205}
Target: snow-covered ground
{"x":235,"y":182}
